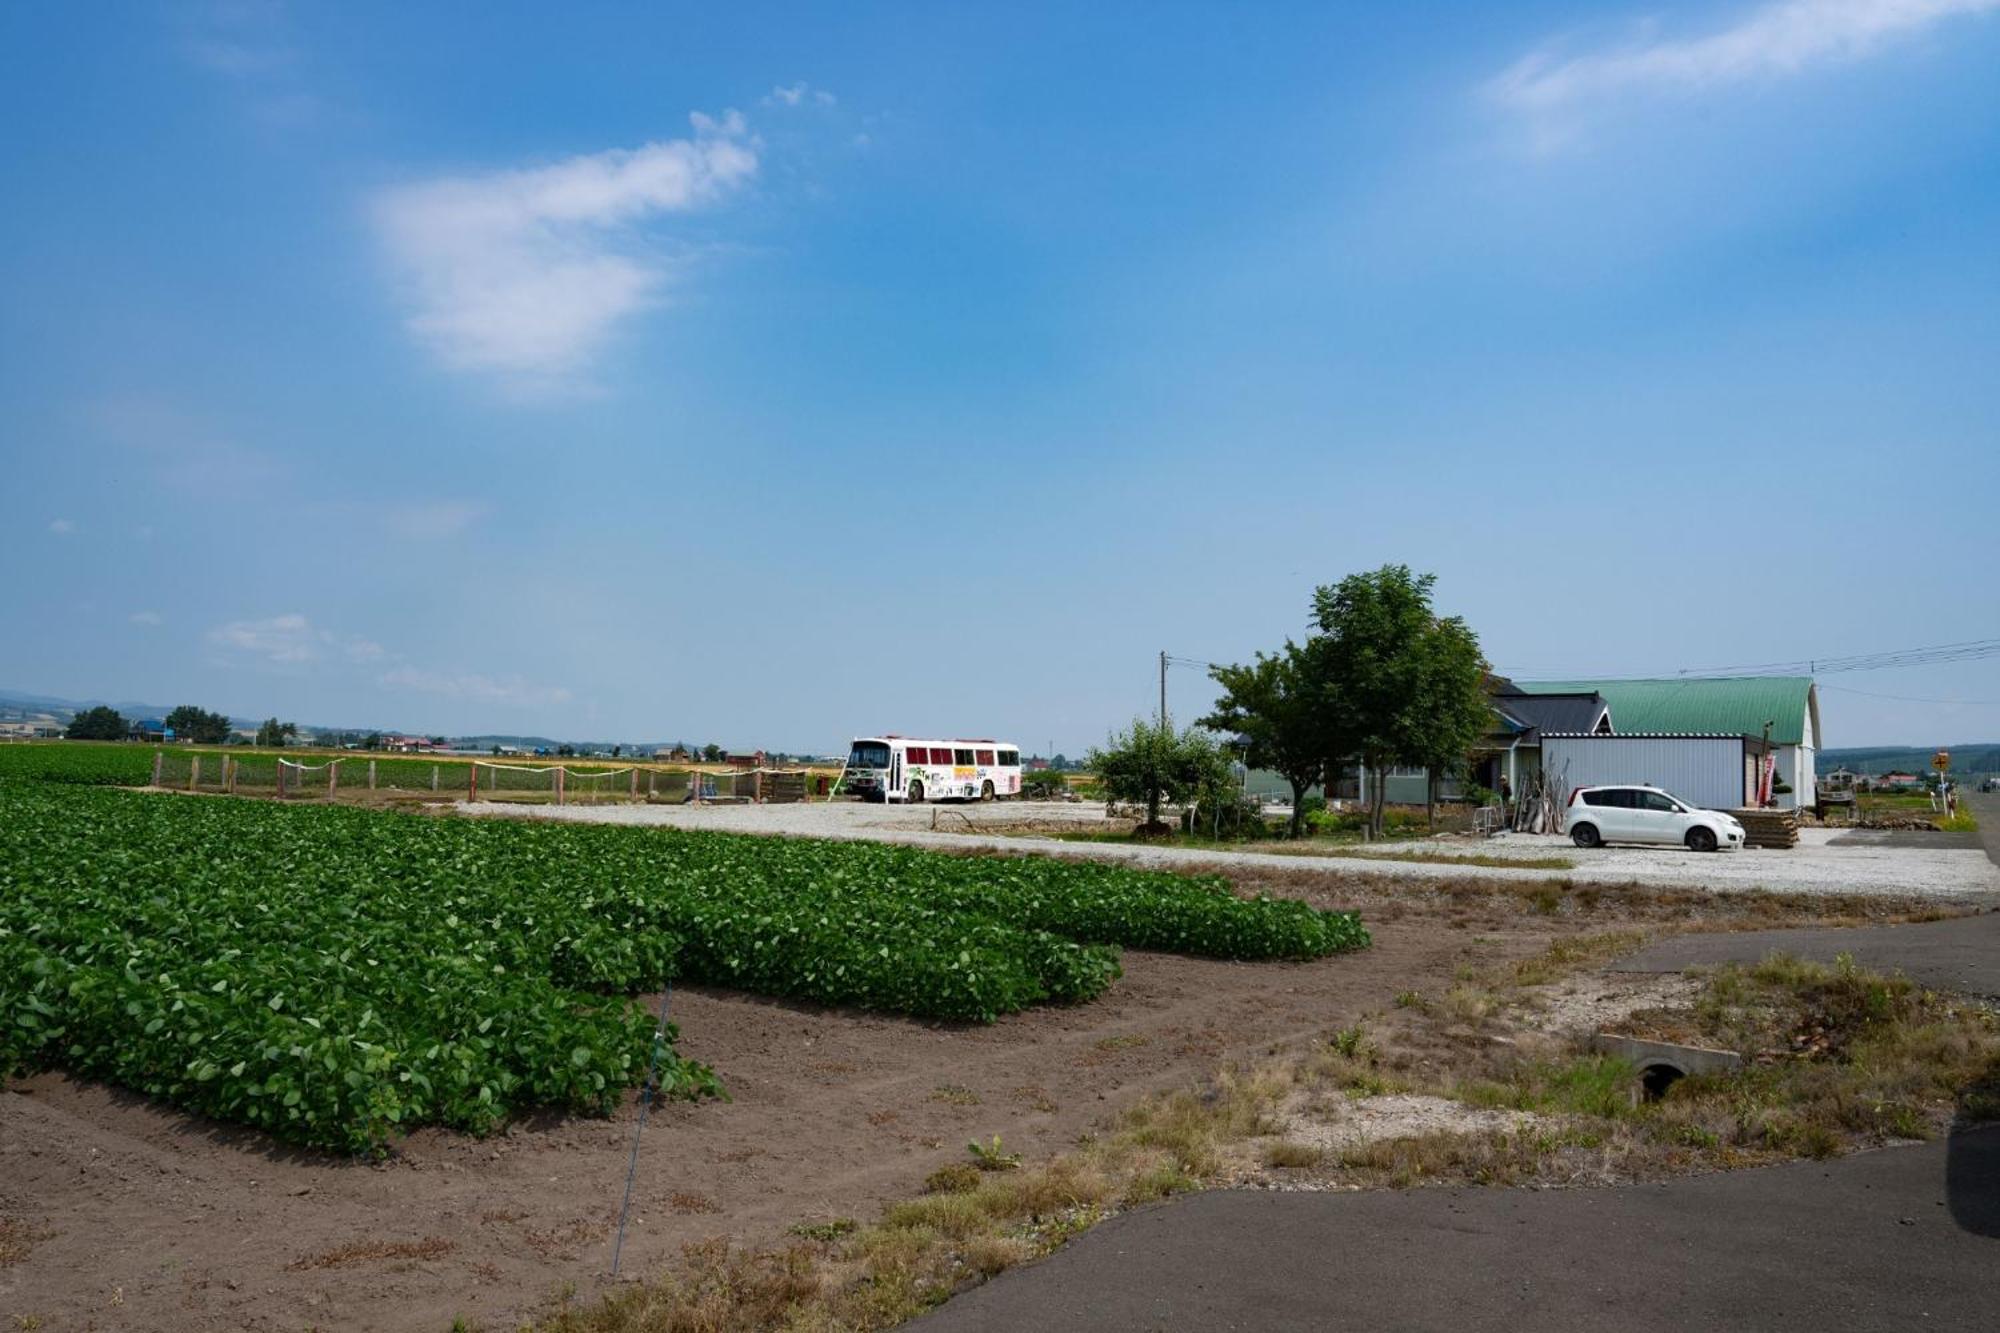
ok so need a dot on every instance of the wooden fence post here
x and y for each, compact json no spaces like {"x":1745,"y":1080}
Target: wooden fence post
{"x":159,"y":759}
{"x":434,"y":777}
{"x":371,"y":775}
{"x":560,"y":772}
{"x":194,"y":772}
{"x":333,"y":777}
{"x":635,"y":783}
{"x":472,"y":791}
{"x":229,"y":774}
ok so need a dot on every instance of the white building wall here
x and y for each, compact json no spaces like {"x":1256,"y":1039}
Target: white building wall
{"x":1707,"y":771}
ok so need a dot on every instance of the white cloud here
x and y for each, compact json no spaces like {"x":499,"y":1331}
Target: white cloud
{"x":439,"y":519}
{"x":510,"y":690}
{"x":363,"y":650}
{"x":148,"y":618}
{"x":1774,"y":40}
{"x":286,"y":638}
{"x":61,"y":527}
{"x":525,"y":272}
{"x":799,"y":94}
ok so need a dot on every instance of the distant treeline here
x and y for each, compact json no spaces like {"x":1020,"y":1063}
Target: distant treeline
{"x":1980,"y":758}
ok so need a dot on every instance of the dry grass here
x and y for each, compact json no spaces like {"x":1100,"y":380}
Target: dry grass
{"x":18,"y":1239}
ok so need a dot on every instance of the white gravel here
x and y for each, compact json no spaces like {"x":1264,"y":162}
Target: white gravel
{"x":1815,"y":866}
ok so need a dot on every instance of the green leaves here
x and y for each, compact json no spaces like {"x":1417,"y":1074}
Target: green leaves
{"x":338,"y":975}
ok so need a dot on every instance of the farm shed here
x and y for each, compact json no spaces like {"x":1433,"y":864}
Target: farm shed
{"x":1728,"y":706}
{"x":1714,"y":772}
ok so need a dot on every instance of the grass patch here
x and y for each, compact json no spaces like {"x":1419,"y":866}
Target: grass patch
{"x":1836,"y":1058}
{"x":17,"y":1239}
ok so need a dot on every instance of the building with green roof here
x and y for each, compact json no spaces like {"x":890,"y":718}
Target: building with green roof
{"x":1716,"y":706}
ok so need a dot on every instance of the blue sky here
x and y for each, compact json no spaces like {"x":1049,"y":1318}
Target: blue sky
{"x":774,"y":375}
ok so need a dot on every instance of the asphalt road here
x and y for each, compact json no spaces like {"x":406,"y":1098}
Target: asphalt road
{"x":1961,"y":954}
{"x":1897,"y":1239}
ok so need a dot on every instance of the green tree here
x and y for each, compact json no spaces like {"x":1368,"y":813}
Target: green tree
{"x":97,"y":724}
{"x":190,"y":723}
{"x":1396,"y":664}
{"x":1451,"y":710}
{"x":372,"y":741}
{"x":712,"y":752}
{"x":1284,"y":711}
{"x":1151,"y":764}
{"x":275,"y":735}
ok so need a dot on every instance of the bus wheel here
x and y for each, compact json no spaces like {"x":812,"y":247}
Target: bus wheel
{"x":916,"y":793}
{"x":985,"y":791}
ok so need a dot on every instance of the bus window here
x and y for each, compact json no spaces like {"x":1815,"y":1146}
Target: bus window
{"x":869,"y":754}
{"x":986,"y":758}
{"x":919,"y":755}
{"x":964,"y":758}
{"x":1010,"y":758}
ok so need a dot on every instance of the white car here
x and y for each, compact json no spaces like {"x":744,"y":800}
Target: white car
{"x":1598,"y":815}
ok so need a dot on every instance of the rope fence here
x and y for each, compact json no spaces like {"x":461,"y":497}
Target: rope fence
{"x":474,"y":779}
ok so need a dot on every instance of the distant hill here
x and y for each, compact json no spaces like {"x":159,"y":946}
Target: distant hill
{"x":1982,"y":757}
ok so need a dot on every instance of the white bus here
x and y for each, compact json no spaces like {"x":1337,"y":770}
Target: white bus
{"x":902,"y":768}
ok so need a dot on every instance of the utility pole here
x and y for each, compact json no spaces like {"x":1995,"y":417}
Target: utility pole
{"x":1163,"y":688}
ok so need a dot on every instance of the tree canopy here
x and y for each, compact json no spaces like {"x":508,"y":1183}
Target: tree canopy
{"x":1150,"y":764}
{"x":198,"y":725}
{"x":101,"y":723}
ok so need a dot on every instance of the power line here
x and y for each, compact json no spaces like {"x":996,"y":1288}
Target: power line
{"x":1970,"y":650}
{"x":1914,"y":699}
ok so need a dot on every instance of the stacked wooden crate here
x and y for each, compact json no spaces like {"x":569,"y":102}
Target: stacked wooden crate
{"x":1768,"y":828}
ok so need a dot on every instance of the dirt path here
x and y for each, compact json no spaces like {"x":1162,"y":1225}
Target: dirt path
{"x":136,"y":1217}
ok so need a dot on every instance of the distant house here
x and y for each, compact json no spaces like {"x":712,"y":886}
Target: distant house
{"x":675,"y":755}
{"x":149,"y":729}
{"x":1896,"y":780}
{"x":1732,"y":709}
{"x":410,"y":744}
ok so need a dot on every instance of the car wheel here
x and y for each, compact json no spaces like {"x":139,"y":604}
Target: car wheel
{"x":1585,"y":835}
{"x":1701,"y":839}
{"x":985,"y":791}
{"x":916,"y":793}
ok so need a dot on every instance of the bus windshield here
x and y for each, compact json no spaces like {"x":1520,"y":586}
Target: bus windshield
{"x":869,"y":754}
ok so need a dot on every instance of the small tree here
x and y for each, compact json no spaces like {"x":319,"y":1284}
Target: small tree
{"x":97,"y":724}
{"x":372,"y":741}
{"x":1150,"y":764}
{"x":712,"y":752}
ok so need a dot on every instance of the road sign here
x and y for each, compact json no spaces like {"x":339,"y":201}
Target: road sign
{"x":1941,"y":761}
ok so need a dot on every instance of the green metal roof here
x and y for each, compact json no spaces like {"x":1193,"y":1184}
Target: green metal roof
{"x":1732,"y":705}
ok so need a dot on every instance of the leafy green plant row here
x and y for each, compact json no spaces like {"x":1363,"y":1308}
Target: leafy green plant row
{"x":334,"y":973}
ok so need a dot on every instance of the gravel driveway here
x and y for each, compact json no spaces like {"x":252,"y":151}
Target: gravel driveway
{"x":1820,"y":864}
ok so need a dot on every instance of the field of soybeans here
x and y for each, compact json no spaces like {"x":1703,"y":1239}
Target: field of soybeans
{"x":337,"y":977}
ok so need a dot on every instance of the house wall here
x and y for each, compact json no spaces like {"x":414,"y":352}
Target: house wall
{"x":1708,"y":771}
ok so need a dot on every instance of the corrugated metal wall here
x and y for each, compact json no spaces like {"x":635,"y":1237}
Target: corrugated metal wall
{"x":1707,"y":771}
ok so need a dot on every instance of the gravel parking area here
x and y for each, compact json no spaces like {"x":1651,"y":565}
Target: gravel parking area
{"x":1823,"y":862}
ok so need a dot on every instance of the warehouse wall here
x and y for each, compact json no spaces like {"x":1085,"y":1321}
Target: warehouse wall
{"x":1707,"y":771}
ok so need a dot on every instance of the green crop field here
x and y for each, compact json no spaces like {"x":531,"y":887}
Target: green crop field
{"x":337,"y":975}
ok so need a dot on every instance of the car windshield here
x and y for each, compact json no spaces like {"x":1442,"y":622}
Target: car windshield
{"x":869,"y":754}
